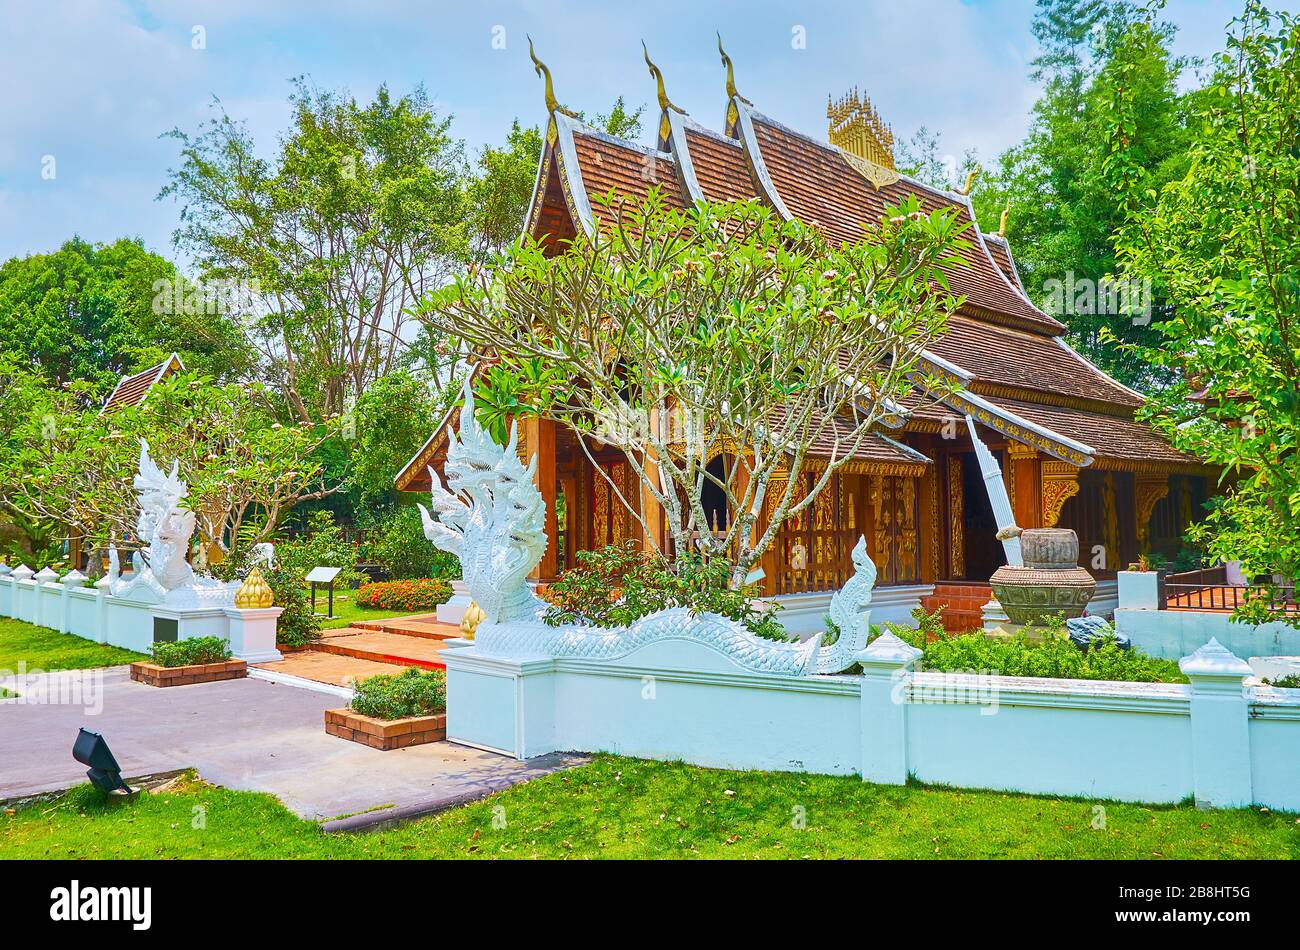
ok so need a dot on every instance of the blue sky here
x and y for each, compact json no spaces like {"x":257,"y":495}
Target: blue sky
{"x":94,"y":84}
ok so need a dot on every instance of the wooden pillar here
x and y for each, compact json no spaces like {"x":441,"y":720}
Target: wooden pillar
{"x":652,"y":513}
{"x":956,"y":509}
{"x":1025,"y":482}
{"x":537,"y":437}
{"x":931,"y":526}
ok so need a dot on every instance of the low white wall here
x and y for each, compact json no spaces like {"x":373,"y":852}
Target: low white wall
{"x":91,"y":612}
{"x":1175,"y":633}
{"x":1218,"y":740}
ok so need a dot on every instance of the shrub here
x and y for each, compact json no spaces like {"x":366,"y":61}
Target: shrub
{"x":424,"y":593}
{"x":412,"y":692}
{"x":618,"y":584}
{"x":297,"y":624}
{"x":322,"y":545}
{"x":191,"y":652}
{"x":1290,"y":681}
{"x":396,"y":541}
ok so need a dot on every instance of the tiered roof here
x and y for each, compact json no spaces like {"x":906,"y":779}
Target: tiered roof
{"x":1006,"y":360}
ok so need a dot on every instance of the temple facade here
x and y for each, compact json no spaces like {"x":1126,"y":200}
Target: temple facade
{"x":1064,"y":433}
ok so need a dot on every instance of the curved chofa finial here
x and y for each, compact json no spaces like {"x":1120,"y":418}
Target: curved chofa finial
{"x":731,"y":75}
{"x":1002,"y":223}
{"x":552,"y":104}
{"x":664,"y":102}
{"x":970,"y":181}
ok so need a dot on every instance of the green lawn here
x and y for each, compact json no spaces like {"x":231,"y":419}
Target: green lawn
{"x":627,"y":808}
{"x":347,"y":612}
{"x":45,"y":649}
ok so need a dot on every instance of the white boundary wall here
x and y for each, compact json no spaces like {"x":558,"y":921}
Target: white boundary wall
{"x":1175,"y":633}
{"x":68,"y":606}
{"x":1217,"y":740}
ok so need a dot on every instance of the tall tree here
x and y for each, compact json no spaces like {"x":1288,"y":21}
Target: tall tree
{"x":1223,"y":244}
{"x":360,"y":213}
{"x":1065,"y":211}
{"x":92,"y":312}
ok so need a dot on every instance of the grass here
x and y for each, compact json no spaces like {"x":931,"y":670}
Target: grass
{"x":346,"y":611}
{"x":44,"y":649}
{"x":628,"y":808}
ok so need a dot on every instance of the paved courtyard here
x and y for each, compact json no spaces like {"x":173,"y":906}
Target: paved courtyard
{"x":245,"y":734}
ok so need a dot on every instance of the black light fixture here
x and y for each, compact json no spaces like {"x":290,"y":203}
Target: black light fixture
{"x":104,"y":773}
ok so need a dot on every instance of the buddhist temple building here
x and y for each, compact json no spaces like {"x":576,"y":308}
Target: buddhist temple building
{"x":1064,"y":432}
{"x":132,"y":389}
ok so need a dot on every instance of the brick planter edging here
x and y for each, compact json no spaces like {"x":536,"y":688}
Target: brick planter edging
{"x":385,"y":734}
{"x":151,"y":674}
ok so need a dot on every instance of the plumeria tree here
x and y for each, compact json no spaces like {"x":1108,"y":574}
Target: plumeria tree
{"x":69,"y":465}
{"x":680,"y":336}
{"x":1223,"y":242}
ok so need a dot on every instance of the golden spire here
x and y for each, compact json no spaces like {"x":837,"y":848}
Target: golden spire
{"x":970,"y":181}
{"x":552,"y":104}
{"x":1002,"y":225}
{"x":856,"y":127}
{"x":731,"y":75}
{"x":664,"y":102}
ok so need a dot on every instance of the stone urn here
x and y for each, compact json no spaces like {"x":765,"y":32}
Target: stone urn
{"x":1050,"y":583}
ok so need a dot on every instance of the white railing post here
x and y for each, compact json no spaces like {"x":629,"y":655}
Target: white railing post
{"x":101,"y":609}
{"x":71,"y":581}
{"x":886,"y":675}
{"x":21,"y":575}
{"x":6,"y":591}
{"x":44,"y":576}
{"x":1220,"y":727}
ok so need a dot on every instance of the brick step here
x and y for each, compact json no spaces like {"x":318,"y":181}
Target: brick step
{"x":423,"y":626}
{"x":395,"y":648}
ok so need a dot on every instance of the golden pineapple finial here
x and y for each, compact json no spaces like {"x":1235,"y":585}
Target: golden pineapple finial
{"x":856,"y":127}
{"x":255,"y":593}
{"x":470,"y":620}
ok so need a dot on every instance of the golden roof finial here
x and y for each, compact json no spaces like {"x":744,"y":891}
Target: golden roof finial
{"x":731,"y":75}
{"x":1002,"y":225}
{"x":552,"y":104}
{"x":664,"y":102}
{"x":856,"y":127}
{"x":970,"y":181}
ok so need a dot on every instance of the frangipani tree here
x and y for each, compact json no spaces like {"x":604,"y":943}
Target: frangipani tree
{"x":721,"y":330}
{"x":69,"y":465}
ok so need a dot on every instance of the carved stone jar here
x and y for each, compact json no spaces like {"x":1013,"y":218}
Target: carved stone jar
{"x":1050,"y":583}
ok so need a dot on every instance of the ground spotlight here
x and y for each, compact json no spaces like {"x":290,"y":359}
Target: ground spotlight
{"x":104,"y":773}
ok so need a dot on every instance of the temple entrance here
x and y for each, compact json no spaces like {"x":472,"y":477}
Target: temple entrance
{"x":984,"y":553}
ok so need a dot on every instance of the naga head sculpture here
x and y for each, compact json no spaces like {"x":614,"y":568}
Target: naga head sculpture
{"x":493,"y":517}
{"x":164,"y":526}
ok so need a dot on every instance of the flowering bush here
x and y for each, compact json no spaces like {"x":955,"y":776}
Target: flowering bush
{"x":423,"y":593}
{"x":618,"y":584}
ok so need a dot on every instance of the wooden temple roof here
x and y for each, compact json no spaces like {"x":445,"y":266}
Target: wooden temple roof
{"x":1006,"y":361}
{"x":132,"y":389}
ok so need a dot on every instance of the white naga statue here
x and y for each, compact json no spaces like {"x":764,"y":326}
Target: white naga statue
{"x":494,"y":520}
{"x":165,"y":528}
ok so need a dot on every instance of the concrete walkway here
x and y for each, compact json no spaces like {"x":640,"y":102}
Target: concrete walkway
{"x":244,"y":734}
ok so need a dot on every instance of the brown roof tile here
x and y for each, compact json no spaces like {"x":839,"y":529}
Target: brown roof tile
{"x":820,"y":187}
{"x":1003,"y":356}
{"x":131,"y":390}
{"x":630,"y":172}
{"x":720,"y":167}
{"x":1124,"y":439}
